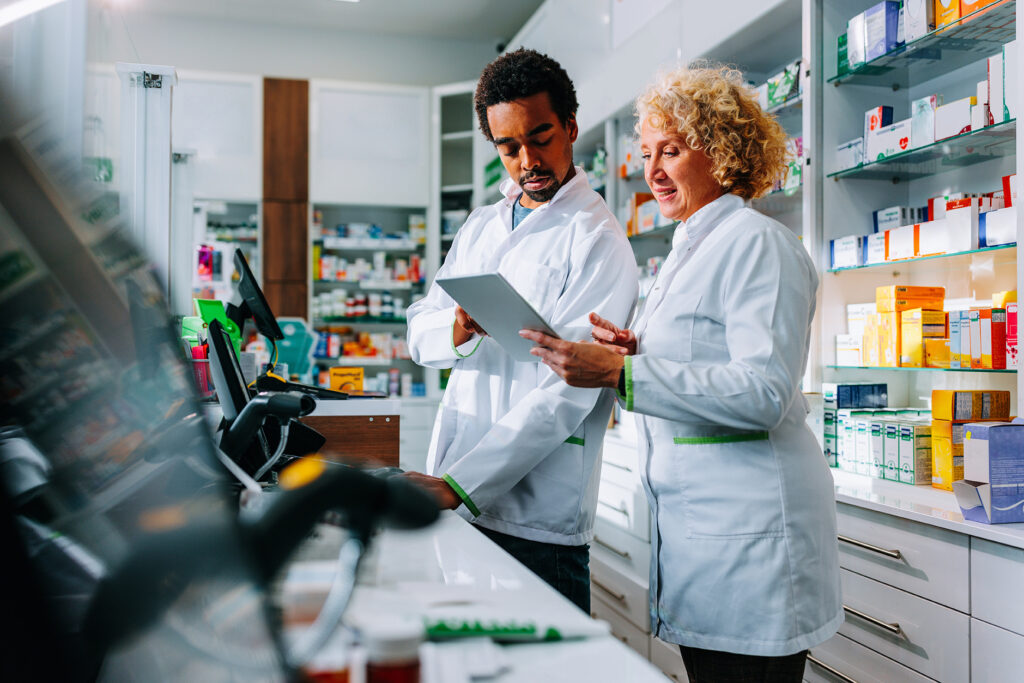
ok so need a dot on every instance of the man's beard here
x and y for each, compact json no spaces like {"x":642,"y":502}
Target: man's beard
{"x":544,"y":195}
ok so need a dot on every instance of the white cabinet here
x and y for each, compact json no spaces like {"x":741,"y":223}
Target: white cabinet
{"x":622,"y":629}
{"x":369,"y":144}
{"x":416,"y":427}
{"x":997,"y":592}
{"x":219,"y":117}
{"x":841,"y":660}
{"x":996,"y":654}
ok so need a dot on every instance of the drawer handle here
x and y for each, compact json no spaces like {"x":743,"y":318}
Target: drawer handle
{"x":835,"y":672}
{"x":621,"y":597}
{"x":621,"y":553}
{"x":617,"y":466}
{"x":621,"y":510}
{"x":895,"y":629}
{"x":894,"y":554}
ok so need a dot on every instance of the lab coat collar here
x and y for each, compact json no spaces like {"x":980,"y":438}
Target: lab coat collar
{"x":512,"y":191}
{"x":704,"y":220}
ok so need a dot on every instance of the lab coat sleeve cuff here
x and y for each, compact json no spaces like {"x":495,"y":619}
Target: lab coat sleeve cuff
{"x":462,"y":494}
{"x":464,"y":350}
{"x":628,"y":398}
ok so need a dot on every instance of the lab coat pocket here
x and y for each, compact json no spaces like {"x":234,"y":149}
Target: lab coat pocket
{"x":539,"y":284}
{"x":669,"y":331}
{"x":730,"y":489}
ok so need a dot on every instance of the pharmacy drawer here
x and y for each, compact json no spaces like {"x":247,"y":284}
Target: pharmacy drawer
{"x":997,"y":592}
{"x":918,"y":633}
{"x":621,"y":476}
{"x":626,"y":593}
{"x":996,"y":654}
{"x":620,"y":455}
{"x":621,"y":629}
{"x":931,"y":562}
{"x":666,"y":657}
{"x":625,"y":508}
{"x":614,"y":541}
{"x":841,"y":660}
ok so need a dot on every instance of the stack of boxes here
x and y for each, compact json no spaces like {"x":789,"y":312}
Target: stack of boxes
{"x":951,"y":413}
{"x":842,"y":403}
{"x":992,"y":490}
{"x":907,"y":327}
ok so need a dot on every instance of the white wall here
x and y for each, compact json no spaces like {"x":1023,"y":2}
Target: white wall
{"x":234,"y":45}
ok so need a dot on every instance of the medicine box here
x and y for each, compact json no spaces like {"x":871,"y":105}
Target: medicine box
{"x":936,"y":352}
{"x":965,"y":339}
{"x":893,"y":217}
{"x":962,"y":224}
{"x":890,"y":297}
{"x":842,"y":58}
{"x":996,"y":103}
{"x":946,"y":12}
{"x":847,"y":252}
{"x":954,"y":339}
{"x":975,"y":333}
{"x":902,"y":243}
{"x":993,"y":338}
{"x":1010,"y":187}
{"x":992,"y":489}
{"x":954,"y":118}
{"x":918,"y":18}
{"x":1012,"y":357}
{"x":874,"y":249}
{"x":856,"y":41}
{"x":850,"y":154}
{"x":848,"y":349}
{"x":917,"y":325}
{"x":947,"y":453}
{"x":915,"y":453}
{"x":862,"y":442}
{"x":855,"y":395}
{"x":922,"y":120}
{"x":997,"y":227}
{"x":933,"y":238}
{"x":875,"y":119}
{"x":970,"y":406}
{"x":887,"y":140}
{"x":881,"y":23}
{"x":857,"y":316}
{"x":889,"y":342}
{"x":829,"y":442}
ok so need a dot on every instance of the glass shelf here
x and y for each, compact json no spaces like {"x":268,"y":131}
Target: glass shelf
{"x":967,"y":149}
{"x":891,"y":264}
{"x":785,"y":108}
{"x":974,"y":37}
{"x":359,"y":320}
{"x":664,"y":232}
{"x":901,"y":369}
{"x":780,"y":201}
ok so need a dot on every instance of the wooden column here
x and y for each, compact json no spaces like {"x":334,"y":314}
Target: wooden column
{"x":286,"y":195}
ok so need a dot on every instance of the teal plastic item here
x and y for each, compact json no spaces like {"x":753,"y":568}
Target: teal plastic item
{"x":212,"y":309}
{"x":296,"y":349}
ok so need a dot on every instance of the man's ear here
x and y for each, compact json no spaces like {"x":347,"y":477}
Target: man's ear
{"x":572,"y":128}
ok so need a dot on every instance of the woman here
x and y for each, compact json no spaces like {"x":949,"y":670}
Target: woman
{"x":745,"y":570}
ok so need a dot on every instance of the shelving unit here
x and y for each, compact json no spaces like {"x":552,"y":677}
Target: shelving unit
{"x":220,"y":227}
{"x":948,"y":62}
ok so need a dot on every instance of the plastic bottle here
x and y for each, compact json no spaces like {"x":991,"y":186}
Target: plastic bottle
{"x":392,"y":646}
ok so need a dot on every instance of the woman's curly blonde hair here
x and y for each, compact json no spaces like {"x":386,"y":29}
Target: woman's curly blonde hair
{"x":712,"y":109}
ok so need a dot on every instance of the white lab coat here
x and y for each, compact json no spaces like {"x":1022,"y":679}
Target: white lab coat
{"x":520,"y":446}
{"x":744,"y":554}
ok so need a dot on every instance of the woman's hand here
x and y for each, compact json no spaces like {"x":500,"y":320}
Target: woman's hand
{"x":580,"y":364}
{"x":608,"y":335}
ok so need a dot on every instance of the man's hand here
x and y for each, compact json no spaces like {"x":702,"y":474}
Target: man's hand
{"x":580,"y":364}
{"x":464,"y":328}
{"x":608,"y":335}
{"x":446,"y":497}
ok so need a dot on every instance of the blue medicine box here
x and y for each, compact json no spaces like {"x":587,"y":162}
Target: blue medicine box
{"x":992,"y":490}
{"x":843,"y":396}
{"x":881,"y":26}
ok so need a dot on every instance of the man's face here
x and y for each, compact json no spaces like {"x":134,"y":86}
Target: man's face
{"x":534,"y":146}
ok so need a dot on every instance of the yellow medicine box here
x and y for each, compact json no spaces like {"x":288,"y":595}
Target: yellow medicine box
{"x":916,"y":325}
{"x":970,"y":406}
{"x":936,"y":352}
{"x":889,"y":340}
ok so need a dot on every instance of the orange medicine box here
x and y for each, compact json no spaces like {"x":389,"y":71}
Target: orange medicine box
{"x":946,"y":12}
{"x":947,"y":453}
{"x":970,"y":406}
{"x":936,"y":353}
{"x":901,"y":298}
{"x":916,"y":325}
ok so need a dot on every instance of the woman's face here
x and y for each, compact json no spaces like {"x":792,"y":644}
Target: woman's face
{"x":679,"y":177}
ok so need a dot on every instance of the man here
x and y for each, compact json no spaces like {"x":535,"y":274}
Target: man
{"x":513,"y":445}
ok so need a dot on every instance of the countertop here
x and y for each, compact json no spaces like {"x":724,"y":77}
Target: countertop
{"x":920,"y":504}
{"x":451,"y":571}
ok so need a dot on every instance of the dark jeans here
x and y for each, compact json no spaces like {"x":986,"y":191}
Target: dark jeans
{"x":712,"y":666}
{"x":566,"y":568}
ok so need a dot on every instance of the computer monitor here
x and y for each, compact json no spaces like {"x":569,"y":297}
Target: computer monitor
{"x":233,"y":396}
{"x":255,"y":301}
{"x":96,"y":379}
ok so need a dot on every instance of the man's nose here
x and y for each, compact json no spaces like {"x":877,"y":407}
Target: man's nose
{"x":528,"y":158}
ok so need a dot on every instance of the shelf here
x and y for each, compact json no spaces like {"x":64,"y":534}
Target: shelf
{"x":367,"y":244}
{"x":231,"y":238}
{"x":360,"y":320}
{"x":780,"y":201}
{"x":901,"y":369}
{"x":451,"y":189}
{"x":991,"y":142}
{"x":368,"y":284}
{"x":972,"y":38}
{"x":785,"y":108}
{"x":959,"y":254}
{"x":457,"y":135}
{"x":356,"y":361}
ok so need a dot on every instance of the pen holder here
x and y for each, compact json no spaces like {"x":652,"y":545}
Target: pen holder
{"x":201,"y":374}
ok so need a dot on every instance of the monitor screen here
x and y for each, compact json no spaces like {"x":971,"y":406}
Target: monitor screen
{"x":253,"y":297}
{"x":95,"y":383}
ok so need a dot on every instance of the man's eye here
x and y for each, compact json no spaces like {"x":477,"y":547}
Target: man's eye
{"x":542,"y":143}
{"x":509,"y":151}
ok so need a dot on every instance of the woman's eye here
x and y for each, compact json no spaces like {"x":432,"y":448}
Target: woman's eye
{"x":646,"y":157}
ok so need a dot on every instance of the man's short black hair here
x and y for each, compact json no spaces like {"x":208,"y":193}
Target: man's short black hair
{"x":520,"y":74}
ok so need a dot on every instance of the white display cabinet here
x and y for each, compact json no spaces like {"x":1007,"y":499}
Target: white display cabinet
{"x":369,"y":144}
{"x":218,"y":228}
{"x":220,"y":117}
{"x":949,"y":63}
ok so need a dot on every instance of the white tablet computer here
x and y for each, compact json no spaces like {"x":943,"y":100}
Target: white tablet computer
{"x":498,"y":308}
